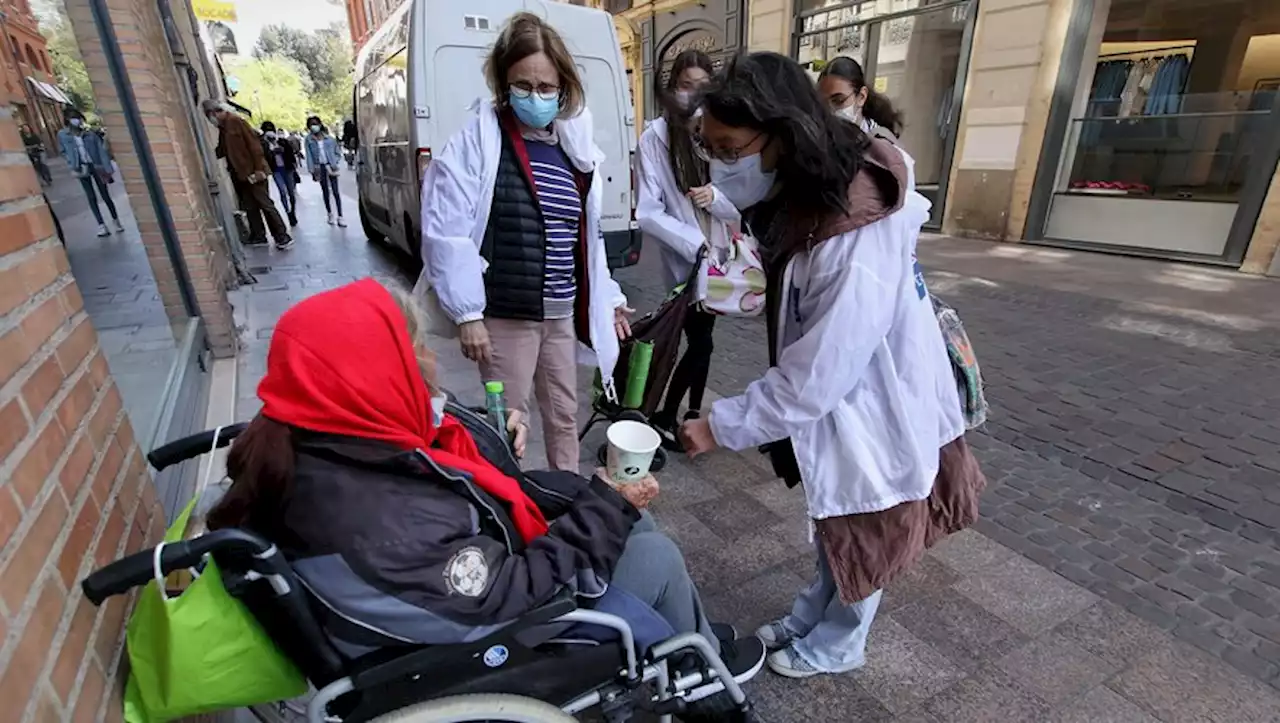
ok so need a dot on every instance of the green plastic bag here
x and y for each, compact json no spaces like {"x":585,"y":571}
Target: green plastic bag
{"x":200,"y":651}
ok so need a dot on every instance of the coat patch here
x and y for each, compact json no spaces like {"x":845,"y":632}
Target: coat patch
{"x":467,"y":572}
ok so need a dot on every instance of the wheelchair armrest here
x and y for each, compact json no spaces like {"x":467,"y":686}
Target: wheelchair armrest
{"x":426,"y":658}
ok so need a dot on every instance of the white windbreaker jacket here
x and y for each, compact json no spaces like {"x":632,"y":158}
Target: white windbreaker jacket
{"x":863,"y":386}
{"x":665,"y":214}
{"x":457,"y":193}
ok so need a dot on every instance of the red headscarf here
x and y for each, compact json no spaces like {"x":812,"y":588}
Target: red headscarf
{"x":342,"y":362}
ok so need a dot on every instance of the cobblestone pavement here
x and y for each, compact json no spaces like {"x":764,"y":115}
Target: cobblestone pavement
{"x":1125,"y":564}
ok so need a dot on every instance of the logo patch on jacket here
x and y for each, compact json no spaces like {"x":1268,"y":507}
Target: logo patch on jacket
{"x":467,"y":572}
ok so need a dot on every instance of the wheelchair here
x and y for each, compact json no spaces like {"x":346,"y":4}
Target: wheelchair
{"x":495,"y":678}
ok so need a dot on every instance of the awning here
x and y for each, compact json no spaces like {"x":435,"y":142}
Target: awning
{"x":50,"y":91}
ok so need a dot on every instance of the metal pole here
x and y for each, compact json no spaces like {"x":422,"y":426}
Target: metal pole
{"x":147,"y":161}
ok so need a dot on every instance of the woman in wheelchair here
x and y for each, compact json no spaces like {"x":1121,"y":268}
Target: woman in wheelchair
{"x":405,"y":533}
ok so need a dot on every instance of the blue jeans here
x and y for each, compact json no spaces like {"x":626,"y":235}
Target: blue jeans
{"x":328,"y":182}
{"x":830,"y":635}
{"x":288,"y":190}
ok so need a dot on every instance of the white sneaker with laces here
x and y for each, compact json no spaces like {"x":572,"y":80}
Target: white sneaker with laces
{"x":788,"y":663}
{"x":774,"y":635}
{"x":103,"y":231}
{"x":341,"y":223}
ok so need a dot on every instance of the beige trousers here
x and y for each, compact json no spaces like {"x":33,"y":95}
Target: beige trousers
{"x":540,"y":356}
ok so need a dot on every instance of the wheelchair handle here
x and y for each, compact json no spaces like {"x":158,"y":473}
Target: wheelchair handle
{"x":138,"y":569}
{"x":180,"y":450}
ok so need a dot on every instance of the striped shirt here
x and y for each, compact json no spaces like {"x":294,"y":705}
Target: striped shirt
{"x":561,"y":204}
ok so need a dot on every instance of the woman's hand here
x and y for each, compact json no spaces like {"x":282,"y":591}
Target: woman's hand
{"x":620,"y":323}
{"x":702,"y":196}
{"x":475,"y":341}
{"x":518,"y":431}
{"x":697,"y":438}
{"x":639,"y":493}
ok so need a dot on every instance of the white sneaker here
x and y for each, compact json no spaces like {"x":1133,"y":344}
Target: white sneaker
{"x":103,"y":230}
{"x":119,"y":227}
{"x":788,"y":663}
{"x":774,"y":635}
{"x":331,"y":219}
{"x":285,"y":245}
{"x":341,"y":223}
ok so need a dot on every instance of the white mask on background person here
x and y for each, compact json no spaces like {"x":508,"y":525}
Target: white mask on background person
{"x":76,"y":122}
{"x":745,"y":183}
{"x":271,"y":135}
{"x":684,"y":98}
{"x":315,"y":129}
{"x":851,"y":113}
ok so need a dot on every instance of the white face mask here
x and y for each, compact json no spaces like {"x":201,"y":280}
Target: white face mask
{"x":438,"y":404}
{"x":851,"y":113}
{"x":315,"y":129}
{"x":744,"y":183}
{"x":270,"y":135}
{"x":684,"y":97}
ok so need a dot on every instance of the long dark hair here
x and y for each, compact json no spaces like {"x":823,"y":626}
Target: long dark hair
{"x":878,"y":108}
{"x":261,"y":463}
{"x":690,"y":170}
{"x":820,"y":153}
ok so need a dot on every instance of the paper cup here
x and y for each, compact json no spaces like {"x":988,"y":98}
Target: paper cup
{"x":631,"y":449}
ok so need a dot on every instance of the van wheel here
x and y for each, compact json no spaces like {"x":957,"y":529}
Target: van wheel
{"x":369,"y":232}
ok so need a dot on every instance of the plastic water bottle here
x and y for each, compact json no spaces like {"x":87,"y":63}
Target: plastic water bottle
{"x":495,"y":405}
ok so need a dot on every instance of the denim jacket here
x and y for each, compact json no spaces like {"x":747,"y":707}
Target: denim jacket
{"x":95,"y":150}
{"x":322,"y":151}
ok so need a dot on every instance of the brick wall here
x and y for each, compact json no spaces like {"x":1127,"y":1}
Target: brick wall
{"x":74,"y":488}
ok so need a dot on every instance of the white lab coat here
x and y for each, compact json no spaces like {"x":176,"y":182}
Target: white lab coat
{"x":863,"y":385}
{"x":457,"y":193}
{"x":665,"y":214}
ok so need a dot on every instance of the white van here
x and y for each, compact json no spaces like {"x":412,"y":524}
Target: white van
{"x":422,"y":70}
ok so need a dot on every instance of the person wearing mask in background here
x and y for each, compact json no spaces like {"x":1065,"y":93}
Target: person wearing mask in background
{"x":511,"y":238}
{"x":86,"y":155}
{"x":859,"y":403}
{"x":239,"y":143}
{"x":843,"y":87}
{"x":675,"y":207}
{"x":283,"y":161}
{"x":324,"y":163}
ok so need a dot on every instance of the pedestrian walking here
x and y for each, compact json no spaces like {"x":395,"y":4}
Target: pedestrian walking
{"x":324,"y":162}
{"x":511,"y":233}
{"x":675,"y":207}
{"x":239,"y":143}
{"x":35,"y":153}
{"x":283,"y":161}
{"x":86,"y":155}
{"x":350,"y":143}
{"x":843,"y":86}
{"x":859,"y":403}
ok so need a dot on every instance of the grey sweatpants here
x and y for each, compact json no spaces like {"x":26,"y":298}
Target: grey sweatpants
{"x":652,"y":569}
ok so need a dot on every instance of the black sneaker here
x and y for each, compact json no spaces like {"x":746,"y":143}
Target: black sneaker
{"x":724,"y":632}
{"x":293,"y":219}
{"x":743,"y":657}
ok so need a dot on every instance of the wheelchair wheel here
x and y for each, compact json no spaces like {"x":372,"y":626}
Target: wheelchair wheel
{"x":480,"y":707}
{"x":659,"y":458}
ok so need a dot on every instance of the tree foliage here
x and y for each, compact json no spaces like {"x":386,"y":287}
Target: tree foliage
{"x":274,"y":88}
{"x":64,"y":55}
{"x":324,"y":57}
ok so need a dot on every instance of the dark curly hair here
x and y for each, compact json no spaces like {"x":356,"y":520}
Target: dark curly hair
{"x":820,"y":153}
{"x":878,"y":108}
{"x":689,"y":170}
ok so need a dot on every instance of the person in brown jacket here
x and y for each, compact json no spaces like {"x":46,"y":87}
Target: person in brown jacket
{"x":239,"y":143}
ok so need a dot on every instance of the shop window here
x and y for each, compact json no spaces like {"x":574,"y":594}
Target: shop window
{"x":1175,"y":98}
{"x":32,"y":60}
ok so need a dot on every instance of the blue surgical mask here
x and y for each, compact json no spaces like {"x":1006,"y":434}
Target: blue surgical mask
{"x":315,"y":129}
{"x":745,"y":183}
{"x":534,"y":111}
{"x":76,"y":122}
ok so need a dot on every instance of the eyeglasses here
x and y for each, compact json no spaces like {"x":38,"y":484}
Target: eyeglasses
{"x":726,"y":155}
{"x":545,"y":91}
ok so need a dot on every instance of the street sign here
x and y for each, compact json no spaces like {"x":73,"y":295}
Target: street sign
{"x":224,"y":10}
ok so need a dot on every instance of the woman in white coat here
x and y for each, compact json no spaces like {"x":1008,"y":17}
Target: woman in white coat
{"x":511,"y":240}
{"x":843,"y":85}
{"x":675,"y":206}
{"x":859,"y":403}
